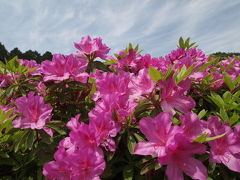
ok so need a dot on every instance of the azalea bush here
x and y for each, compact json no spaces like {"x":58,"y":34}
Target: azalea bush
{"x":90,"y":115}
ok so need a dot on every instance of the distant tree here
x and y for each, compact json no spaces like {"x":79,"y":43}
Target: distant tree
{"x":15,"y":52}
{"x":30,"y":55}
{"x":3,"y":53}
{"x":46,"y":56}
{"x":223,"y":55}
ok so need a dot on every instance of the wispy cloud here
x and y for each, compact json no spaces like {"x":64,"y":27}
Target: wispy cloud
{"x":155,"y":24}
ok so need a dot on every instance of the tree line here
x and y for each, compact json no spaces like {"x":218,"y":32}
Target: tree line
{"x":30,"y":54}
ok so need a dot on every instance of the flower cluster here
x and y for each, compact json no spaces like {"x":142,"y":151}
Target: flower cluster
{"x":100,"y":114}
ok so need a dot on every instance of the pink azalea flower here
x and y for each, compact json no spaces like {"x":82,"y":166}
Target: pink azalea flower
{"x":173,"y":96}
{"x":198,"y":76}
{"x":34,"y":113}
{"x":98,"y":132}
{"x":192,"y":126}
{"x":55,"y":69}
{"x":110,"y":83}
{"x":161,"y":64}
{"x":105,"y":129}
{"x":130,"y":61}
{"x":159,"y":131}
{"x":142,"y":83}
{"x":84,"y":136}
{"x":219,"y":80}
{"x":31,"y":64}
{"x":120,"y":105}
{"x":76,"y":68}
{"x":75,"y":163}
{"x":226,"y":149}
{"x":94,"y":47}
{"x":179,"y":159}
{"x":180,"y":57}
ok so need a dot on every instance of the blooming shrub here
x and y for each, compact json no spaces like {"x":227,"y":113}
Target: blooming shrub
{"x":129,"y":116}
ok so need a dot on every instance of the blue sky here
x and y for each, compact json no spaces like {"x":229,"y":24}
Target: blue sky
{"x":156,"y":25}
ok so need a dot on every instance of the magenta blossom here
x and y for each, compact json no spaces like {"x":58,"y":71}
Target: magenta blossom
{"x":173,"y":96}
{"x":110,"y":83}
{"x":179,"y":159}
{"x":65,"y":67}
{"x":76,"y":68}
{"x":192,"y":126}
{"x":181,"y":57}
{"x":119,"y":105}
{"x":97,"y":133}
{"x":56,"y":69}
{"x":159,"y":131}
{"x":75,"y":163}
{"x":34,"y":113}
{"x":94,"y":48}
{"x":226,"y":149}
{"x":141,"y":84}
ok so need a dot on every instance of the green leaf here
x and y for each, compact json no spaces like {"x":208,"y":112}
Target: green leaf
{"x":186,"y":44}
{"x":176,"y":121}
{"x":154,"y":74}
{"x":201,"y":138}
{"x":130,"y":46}
{"x":217,"y":99}
{"x":223,"y":114}
{"x":117,"y":56}
{"x":20,"y":139}
{"x":227,"y":96}
{"x":10,"y":90}
{"x":101,"y":66}
{"x":215,"y":137}
{"x":131,"y":143}
{"x":4,"y":116}
{"x":184,"y":72}
{"x":209,"y":178}
{"x":234,"y":119}
{"x":228,"y":81}
{"x":30,"y":139}
{"x":237,"y":80}
{"x":30,"y":70}
{"x":169,"y":71}
{"x":205,"y":66}
{"x":202,"y":113}
{"x":110,"y":62}
{"x":181,"y":43}
{"x":150,"y":166}
{"x":192,"y":44}
{"x":128,"y":172}
{"x":56,"y":128}
{"x":139,"y":137}
{"x":136,"y":48}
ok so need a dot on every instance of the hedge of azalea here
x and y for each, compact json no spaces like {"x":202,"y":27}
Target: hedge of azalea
{"x":90,"y":115}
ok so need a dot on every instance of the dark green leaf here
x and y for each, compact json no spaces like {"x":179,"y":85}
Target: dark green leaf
{"x":56,"y":128}
{"x":30,"y":139}
{"x":128,"y":172}
{"x":228,"y":81}
{"x":21,"y":138}
{"x":181,"y":43}
{"x":131,"y":143}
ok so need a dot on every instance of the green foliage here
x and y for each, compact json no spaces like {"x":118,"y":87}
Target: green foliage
{"x":185,"y":44}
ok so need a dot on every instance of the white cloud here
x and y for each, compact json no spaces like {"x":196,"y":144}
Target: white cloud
{"x":155,"y":24}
